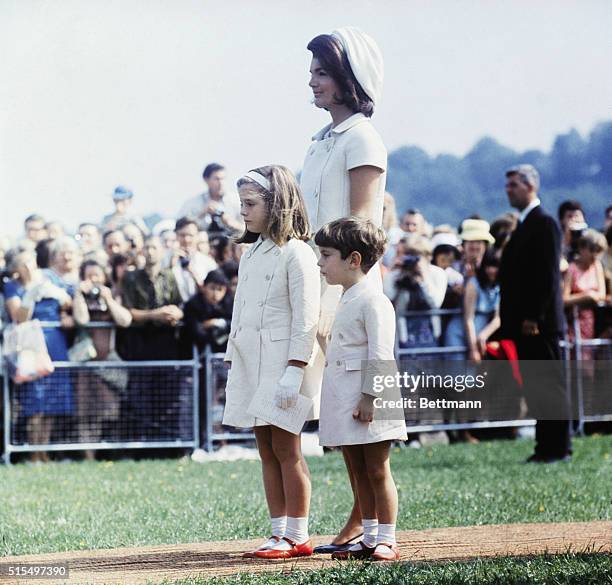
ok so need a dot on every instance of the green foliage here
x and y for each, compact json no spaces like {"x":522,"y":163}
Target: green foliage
{"x":447,"y":188}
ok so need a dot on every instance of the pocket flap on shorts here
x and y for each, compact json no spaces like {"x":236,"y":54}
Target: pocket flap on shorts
{"x":354,"y":364}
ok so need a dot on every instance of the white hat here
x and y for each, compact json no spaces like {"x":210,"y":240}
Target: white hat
{"x":365,"y":59}
{"x":473,"y":230}
{"x":444,"y":239}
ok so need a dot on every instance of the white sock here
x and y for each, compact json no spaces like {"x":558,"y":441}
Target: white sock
{"x":386,"y":534}
{"x":279,"y":525}
{"x":297,"y":529}
{"x":370,"y":530}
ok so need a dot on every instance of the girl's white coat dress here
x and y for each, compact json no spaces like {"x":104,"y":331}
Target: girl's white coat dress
{"x":364,"y":329}
{"x":274,"y":320}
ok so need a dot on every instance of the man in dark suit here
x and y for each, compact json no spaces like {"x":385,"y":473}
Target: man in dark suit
{"x":531,"y":312}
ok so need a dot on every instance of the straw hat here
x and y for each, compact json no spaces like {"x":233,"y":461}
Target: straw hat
{"x":476,"y":230}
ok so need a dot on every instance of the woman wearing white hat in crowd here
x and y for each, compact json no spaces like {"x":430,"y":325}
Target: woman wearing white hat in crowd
{"x":344,"y":172}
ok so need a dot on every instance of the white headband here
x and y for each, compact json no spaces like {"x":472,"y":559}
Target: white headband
{"x":259,"y":179}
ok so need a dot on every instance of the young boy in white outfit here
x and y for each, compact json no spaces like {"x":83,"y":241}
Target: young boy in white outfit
{"x":363,"y":333}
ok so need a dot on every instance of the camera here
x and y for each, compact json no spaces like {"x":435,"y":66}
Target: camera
{"x":410,"y":262}
{"x":576,"y":231}
{"x":94,"y":293}
{"x":216,"y":223}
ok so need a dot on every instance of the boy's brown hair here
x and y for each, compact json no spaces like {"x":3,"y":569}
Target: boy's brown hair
{"x":354,"y":234}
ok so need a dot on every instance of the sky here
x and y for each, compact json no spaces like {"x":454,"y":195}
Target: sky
{"x":144,"y":93}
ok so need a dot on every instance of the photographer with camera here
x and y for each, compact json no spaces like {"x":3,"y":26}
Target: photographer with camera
{"x":188,"y":264}
{"x":215,"y":211}
{"x":135,"y":239}
{"x":416,"y":285}
{"x":97,"y":399}
{"x":573,"y":224}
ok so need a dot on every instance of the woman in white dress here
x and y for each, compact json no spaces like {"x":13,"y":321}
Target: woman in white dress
{"x":344,"y":173}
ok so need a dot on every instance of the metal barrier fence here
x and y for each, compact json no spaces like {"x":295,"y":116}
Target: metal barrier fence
{"x":102,"y":405}
{"x":156,"y":404}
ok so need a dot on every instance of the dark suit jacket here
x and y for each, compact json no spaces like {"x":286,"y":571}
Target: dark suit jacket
{"x":530,"y":278}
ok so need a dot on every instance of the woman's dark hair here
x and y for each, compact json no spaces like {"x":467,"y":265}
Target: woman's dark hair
{"x":115,"y":261}
{"x":490,"y":258}
{"x":219,"y":245}
{"x":85,"y":265}
{"x":230,"y":269}
{"x":43,"y":253}
{"x":332,"y":57}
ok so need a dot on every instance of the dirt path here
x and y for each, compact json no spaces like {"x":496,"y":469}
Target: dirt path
{"x":208,"y":559}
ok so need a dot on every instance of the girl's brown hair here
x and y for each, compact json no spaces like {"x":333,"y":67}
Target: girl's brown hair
{"x":287,"y":217}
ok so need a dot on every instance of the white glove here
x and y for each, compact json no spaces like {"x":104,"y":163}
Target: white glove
{"x":32,"y":296}
{"x":289,"y":387}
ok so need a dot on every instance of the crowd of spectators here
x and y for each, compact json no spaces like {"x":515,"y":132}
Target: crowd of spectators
{"x":146,"y":279}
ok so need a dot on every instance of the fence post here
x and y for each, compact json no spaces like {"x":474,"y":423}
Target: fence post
{"x":579,"y":386}
{"x":6,"y":455}
{"x":195,"y":356}
{"x":209,"y":395}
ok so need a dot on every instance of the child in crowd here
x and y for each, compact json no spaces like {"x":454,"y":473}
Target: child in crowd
{"x":208,"y":313}
{"x":585,"y":283}
{"x":364,"y":329}
{"x":274,"y":324}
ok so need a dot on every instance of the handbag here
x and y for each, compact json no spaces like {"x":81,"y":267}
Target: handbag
{"x":116,"y":378}
{"x":26,"y":353}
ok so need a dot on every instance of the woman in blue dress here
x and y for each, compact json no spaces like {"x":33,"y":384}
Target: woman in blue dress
{"x":43,"y":295}
{"x":480,"y":317}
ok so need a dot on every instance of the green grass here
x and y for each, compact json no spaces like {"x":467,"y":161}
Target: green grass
{"x":548,"y":570}
{"x":73,"y":506}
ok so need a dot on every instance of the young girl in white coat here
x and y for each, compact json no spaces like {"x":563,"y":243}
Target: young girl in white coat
{"x":363,"y":333}
{"x":272,"y":338}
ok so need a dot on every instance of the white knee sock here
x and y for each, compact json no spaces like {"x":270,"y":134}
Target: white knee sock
{"x":370,"y":532}
{"x":279,"y":525}
{"x":297,"y":529}
{"x":386,"y":534}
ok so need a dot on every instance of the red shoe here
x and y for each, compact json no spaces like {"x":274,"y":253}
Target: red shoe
{"x":344,"y":555}
{"x":385,"y":555}
{"x":296,"y":550}
{"x":251,"y":553}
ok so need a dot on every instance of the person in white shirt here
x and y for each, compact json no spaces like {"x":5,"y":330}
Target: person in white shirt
{"x":188,"y":265}
{"x":216,"y":209}
{"x":417,"y":285}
